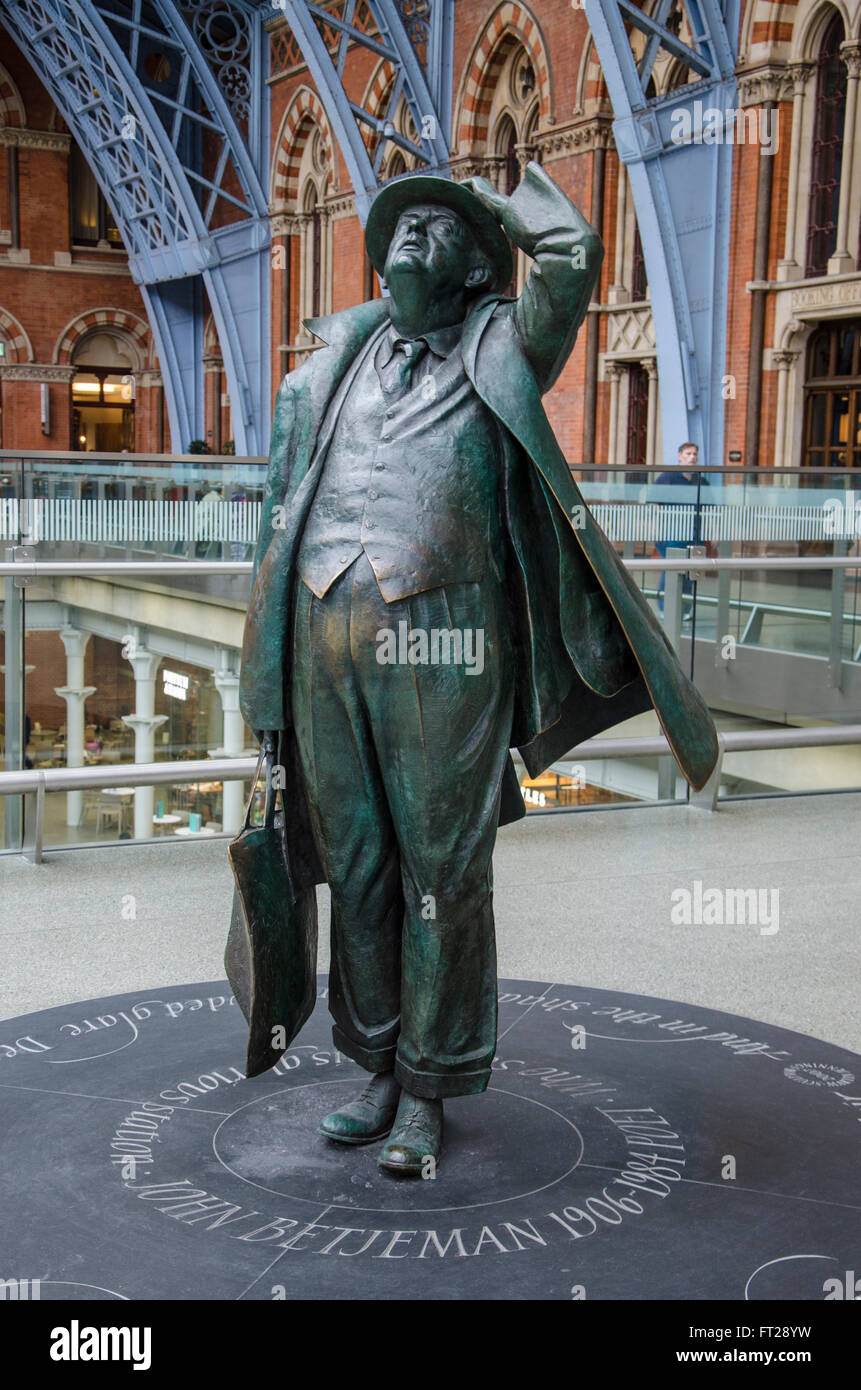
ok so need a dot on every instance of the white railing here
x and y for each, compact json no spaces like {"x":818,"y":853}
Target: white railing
{"x":164,"y":521}
{"x":654,"y":521}
{"x":129,"y":521}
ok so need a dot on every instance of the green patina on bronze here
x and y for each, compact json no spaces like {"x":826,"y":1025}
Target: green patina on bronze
{"x":586,"y":651}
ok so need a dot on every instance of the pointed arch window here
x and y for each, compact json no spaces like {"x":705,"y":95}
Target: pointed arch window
{"x":827,"y":153}
{"x":506,"y":143}
{"x":639,"y":283}
{"x":315,"y":252}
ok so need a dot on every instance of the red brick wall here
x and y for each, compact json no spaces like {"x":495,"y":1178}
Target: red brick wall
{"x":43,"y":298}
{"x":46,"y":299}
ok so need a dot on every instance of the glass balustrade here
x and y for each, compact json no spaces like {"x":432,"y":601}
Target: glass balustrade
{"x":101,"y":670}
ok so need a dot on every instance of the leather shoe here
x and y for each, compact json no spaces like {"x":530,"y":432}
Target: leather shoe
{"x":370,"y":1116}
{"x":416,"y":1135}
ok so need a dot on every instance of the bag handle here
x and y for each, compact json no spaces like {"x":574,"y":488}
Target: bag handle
{"x":271,"y":798}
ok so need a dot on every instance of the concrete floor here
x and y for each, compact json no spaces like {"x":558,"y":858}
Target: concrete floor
{"x":580,"y":899}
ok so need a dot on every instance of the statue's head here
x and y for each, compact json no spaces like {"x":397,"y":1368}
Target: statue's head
{"x":432,"y":241}
{"x":431,"y":227}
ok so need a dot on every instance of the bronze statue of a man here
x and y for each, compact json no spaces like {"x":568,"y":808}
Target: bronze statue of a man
{"x":430,"y":590}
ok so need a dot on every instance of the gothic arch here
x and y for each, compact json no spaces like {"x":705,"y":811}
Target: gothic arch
{"x":13,"y":336}
{"x":374,"y":99}
{"x":799,"y":27}
{"x":302,"y":115}
{"x":591,"y":88}
{"x":810,"y":27}
{"x":211,"y":345}
{"x":133,"y":331}
{"x":508,"y":22}
{"x":12,"y":111}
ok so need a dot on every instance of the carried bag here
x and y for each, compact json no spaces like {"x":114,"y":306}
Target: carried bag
{"x":271,"y":954}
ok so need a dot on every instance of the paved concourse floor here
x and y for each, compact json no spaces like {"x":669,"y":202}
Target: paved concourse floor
{"x":586,"y":898}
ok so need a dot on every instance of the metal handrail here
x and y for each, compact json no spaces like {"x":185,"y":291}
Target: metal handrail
{"x":70,"y":779}
{"x":64,"y":779}
{"x":40,"y":781}
{"x":60,"y":456}
{"x":43,"y":569}
{"x":36,"y":569}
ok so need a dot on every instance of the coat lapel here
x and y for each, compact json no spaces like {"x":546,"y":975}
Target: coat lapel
{"x":498,"y":369}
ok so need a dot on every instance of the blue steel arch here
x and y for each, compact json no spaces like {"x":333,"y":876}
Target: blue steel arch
{"x":682,"y":191}
{"x":183,"y":181}
{"x":427,"y":93}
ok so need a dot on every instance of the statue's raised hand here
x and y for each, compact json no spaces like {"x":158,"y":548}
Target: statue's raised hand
{"x":492,"y":199}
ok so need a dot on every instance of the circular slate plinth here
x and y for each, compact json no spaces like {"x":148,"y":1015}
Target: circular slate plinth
{"x":628,"y":1148}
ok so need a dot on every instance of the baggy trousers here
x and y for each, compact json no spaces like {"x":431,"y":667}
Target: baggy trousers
{"x":402,"y":762}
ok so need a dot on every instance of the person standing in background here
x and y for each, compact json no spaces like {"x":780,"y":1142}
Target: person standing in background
{"x":683,"y":473}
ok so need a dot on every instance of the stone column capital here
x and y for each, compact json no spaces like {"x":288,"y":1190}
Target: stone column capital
{"x":850,"y":52}
{"x":800,"y":74}
{"x":144,"y":663}
{"x":144,"y":723}
{"x":784,"y":360}
{"x":74,"y":640}
{"x":227,"y":685}
{"x":74,"y":694}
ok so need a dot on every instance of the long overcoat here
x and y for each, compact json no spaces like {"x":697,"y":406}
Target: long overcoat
{"x":589,"y":652}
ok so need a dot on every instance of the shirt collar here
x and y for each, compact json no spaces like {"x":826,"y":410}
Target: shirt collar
{"x":439,"y":340}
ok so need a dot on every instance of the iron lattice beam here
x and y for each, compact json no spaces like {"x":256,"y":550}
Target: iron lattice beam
{"x":682,"y":193}
{"x":428,"y":95}
{"x":156,"y":101}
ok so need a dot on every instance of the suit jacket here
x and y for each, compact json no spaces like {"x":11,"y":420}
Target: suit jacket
{"x":589,"y":652}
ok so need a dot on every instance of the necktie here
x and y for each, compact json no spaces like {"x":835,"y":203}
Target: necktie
{"x":396,"y":375}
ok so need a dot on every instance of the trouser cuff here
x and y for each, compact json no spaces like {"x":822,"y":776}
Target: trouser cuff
{"x":438,"y":1085}
{"x":376,"y":1059}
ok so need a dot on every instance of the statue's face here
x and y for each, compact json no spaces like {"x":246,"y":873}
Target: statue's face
{"x":432,"y":241}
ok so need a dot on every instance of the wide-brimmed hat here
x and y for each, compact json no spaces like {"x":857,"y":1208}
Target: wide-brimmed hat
{"x":394,"y":198}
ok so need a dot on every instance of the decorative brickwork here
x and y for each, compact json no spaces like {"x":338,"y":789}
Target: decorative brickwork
{"x":512,"y":22}
{"x":102,"y":319}
{"x":16,"y":345}
{"x":303,"y":114}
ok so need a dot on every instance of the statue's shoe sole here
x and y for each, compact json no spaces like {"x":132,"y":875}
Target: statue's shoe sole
{"x":355,"y":1138}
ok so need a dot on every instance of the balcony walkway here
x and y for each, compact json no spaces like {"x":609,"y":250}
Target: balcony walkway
{"x":582,"y":898}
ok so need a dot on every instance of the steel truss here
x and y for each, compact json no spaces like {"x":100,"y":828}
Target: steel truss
{"x":679,"y":166}
{"x":427,"y":94}
{"x":164,"y":100}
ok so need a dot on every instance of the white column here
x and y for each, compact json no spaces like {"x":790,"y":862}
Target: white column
{"x":327,"y":269}
{"x":75,"y":693}
{"x":783,"y":361}
{"x":232,"y":800}
{"x":843,"y":259}
{"x":144,"y":721}
{"x":617,"y":294}
{"x":651,"y":366}
{"x":613,"y":374}
{"x":788,"y":268}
